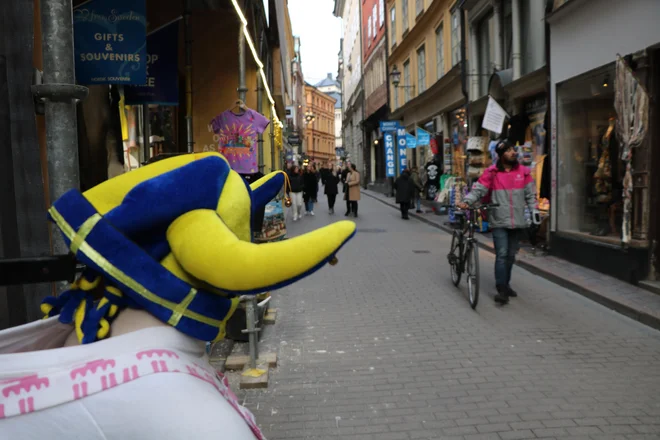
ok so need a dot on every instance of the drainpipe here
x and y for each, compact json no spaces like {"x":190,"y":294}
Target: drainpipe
{"x":60,"y":95}
{"x":464,"y":77}
{"x":260,"y":105}
{"x":146,"y":133}
{"x":187,"y":35}
{"x":515,"y":36}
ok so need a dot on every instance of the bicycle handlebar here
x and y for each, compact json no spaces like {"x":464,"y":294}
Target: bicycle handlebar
{"x":486,"y":206}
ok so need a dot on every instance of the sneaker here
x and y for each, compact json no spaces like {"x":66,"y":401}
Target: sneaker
{"x":501,"y":296}
{"x":332,"y":211}
{"x":510,"y":292}
{"x":295,"y":218}
{"x":311,"y":213}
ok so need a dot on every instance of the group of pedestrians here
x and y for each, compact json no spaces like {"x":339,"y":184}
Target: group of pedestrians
{"x":304,"y":188}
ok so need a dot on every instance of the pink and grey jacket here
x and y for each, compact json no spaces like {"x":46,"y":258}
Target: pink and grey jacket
{"x":512,"y":190}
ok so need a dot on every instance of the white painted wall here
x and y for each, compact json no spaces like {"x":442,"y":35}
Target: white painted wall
{"x":352,"y":52}
{"x":591,"y":34}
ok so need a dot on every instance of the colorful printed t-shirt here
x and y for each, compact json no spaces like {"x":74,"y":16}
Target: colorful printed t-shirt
{"x":238,"y":138}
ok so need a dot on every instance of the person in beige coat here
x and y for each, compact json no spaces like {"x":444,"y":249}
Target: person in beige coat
{"x":353,"y":194}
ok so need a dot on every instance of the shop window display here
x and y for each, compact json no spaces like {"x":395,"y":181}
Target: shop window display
{"x":589,"y":172}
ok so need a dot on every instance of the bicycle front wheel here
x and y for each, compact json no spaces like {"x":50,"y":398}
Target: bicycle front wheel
{"x":472,"y":259}
{"x":454,"y":258}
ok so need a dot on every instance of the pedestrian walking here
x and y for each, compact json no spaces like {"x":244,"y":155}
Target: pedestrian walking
{"x":344,"y":176}
{"x":405,"y":189}
{"x":416,"y":199}
{"x":511,"y":186}
{"x":297,"y":186}
{"x":310,"y":189}
{"x":331,"y":182}
{"x":353,"y":193}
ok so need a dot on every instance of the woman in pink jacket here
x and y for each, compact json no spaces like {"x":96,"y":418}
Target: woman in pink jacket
{"x":511,"y":186}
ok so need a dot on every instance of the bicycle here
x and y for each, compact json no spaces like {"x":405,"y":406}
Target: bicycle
{"x":463,"y":255}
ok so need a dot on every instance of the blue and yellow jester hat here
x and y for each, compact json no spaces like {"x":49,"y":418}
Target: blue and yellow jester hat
{"x":173,"y":238}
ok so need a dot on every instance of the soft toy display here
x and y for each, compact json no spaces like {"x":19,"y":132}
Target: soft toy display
{"x":171,"y":244}
{"x":174,"y":238}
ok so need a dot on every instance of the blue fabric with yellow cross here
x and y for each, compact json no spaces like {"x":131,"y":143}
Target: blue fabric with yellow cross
{"x":173,"y":238}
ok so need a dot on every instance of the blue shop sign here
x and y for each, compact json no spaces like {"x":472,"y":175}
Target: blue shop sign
{"x":390,"y":166}
{"x":110,"y":42}
{"x":389,"y":126}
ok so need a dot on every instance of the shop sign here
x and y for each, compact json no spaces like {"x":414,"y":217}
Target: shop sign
{"x":162,"y":69}
{"x":110,"y":42}
{"x":494,"y":117}
{"x":389,"y":126}
{"x":294,"y":140}
{"x":390,"y":166}
{"x":401,"y":140}
{"x":411,"y":141}
{"x":423,"y":137}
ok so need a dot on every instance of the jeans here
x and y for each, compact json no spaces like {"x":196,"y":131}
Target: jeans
{"x":309,"y":205}
{"x":507,"y":243}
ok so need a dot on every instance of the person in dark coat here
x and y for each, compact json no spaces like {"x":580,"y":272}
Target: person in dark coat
{"x":296,"y":191}
{"x":331,"y":182}
{"x":405,"y":190}
{"x":311,"y":189}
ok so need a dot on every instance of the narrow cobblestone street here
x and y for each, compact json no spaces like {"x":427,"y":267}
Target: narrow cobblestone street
{"x":383,"y":346}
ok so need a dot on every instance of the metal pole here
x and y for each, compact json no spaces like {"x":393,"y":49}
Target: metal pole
{"x":242,"y":88}
{"x":251,"y":321}
{"x":146,"y":132}
{"x":187,"y":35}
{"x":260,"y":109}
{"x":272,"y":142}
{"x":60,"y":94}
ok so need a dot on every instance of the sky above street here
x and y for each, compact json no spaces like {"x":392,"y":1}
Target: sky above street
{"x":319,"y":33}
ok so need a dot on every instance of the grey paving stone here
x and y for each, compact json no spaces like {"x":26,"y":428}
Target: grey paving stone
{"x":382,"y":345}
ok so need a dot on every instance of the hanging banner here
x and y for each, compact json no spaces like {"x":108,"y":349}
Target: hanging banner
{"x":411,"y":141}
{"x":389,"y":126}
{"x":110,"y":42}
{"x":401,"y":148}
{"x":389,"y":155}
{"x":494,"y":117}
{"x":162,"y":69}
{"x":423,"y":137}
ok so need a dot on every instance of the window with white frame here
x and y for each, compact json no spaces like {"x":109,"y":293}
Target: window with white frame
{"x":382,"y":12}
{"x":440,"y":51}
{"x":404,"y":15}
{"x":406,"y":81}
{"x":455,"y":37}
{"x":374,"y":21}
{"x":369,"y":31}
{"x":393,"y":26}
{"x":421,"y":69}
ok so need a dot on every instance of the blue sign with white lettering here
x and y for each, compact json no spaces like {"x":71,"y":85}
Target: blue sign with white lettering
{"x":423,"y":137}
{"x":401,"y":140}
{"x":389,"y":126}
{"x":110,"y":42}
{"x":162,"y":69}
{"x":390,"y":165}
{"x":411,"y":141}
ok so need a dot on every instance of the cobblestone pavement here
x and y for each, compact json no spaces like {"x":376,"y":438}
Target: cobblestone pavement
{"x":383,"y":346}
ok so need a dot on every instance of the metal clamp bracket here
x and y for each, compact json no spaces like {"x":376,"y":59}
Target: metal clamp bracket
{"x":59,"y":92}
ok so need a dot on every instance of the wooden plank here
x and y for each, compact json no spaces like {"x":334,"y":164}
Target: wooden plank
{"x":239,"y":361}
{"x":29,"y":207}
{"x":270,"y":317}
{"x":251,"y":379}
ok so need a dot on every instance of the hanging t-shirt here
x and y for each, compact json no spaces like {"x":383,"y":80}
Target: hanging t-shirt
{"x":238,"y":138}
{"x":433,"y":174}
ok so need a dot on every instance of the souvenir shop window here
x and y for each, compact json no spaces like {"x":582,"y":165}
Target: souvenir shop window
{"x":459,"y":136}
{"x":590,"y":173}
{"x":162,"y":129}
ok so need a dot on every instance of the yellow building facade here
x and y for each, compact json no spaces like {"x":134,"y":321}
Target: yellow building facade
{"x":424,"y":46}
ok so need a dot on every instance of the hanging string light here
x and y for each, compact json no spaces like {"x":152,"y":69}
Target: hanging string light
{"x":248,"y":38}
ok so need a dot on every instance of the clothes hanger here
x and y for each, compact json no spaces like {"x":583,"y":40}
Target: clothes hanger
{"x":240,"y":105}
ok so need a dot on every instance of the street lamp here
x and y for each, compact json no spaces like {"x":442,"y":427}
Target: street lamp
{"x":395,"y":77}
{"x":309,"y":117}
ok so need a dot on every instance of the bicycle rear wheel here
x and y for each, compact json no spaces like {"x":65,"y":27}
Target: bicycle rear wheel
{"x":472,"y":259}
{"x":454,"y":258}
